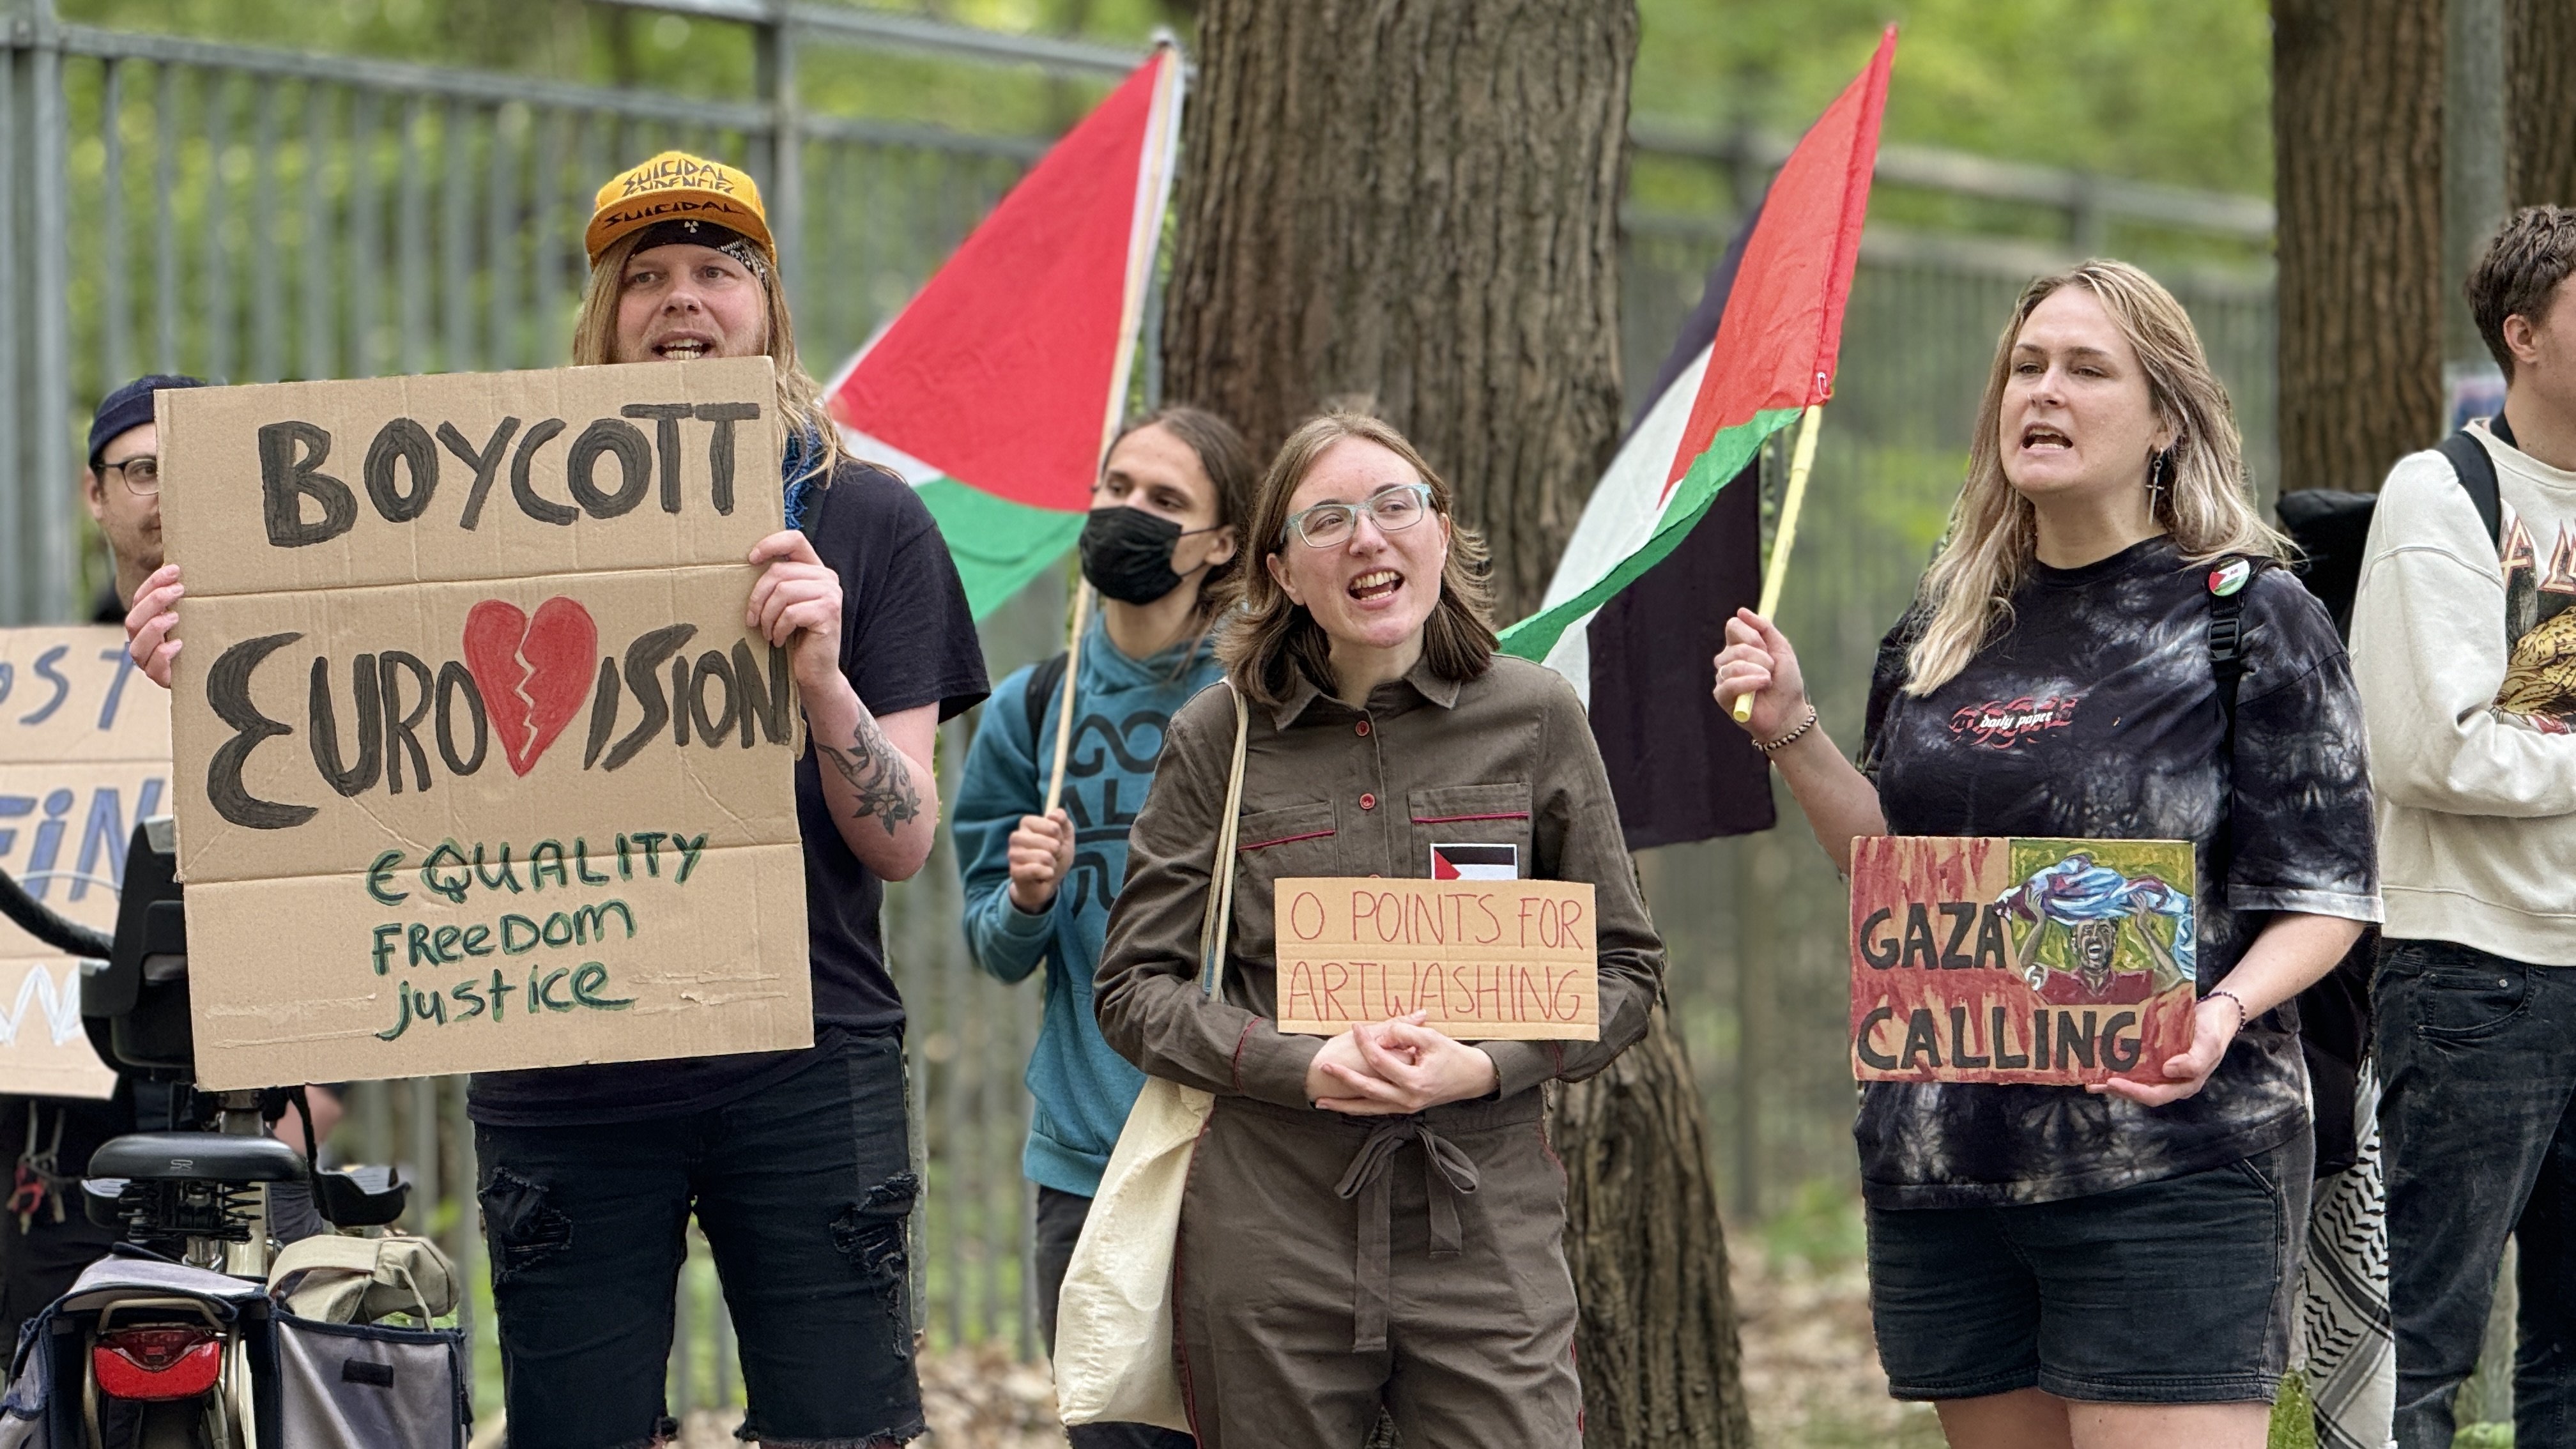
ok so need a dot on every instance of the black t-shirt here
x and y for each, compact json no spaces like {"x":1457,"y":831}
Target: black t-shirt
{"x":906,"y":640}
{"x":2096,"y":714}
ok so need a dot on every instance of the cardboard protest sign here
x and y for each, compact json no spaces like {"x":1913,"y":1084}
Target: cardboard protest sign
{"x":1491,"y":960}
{"x":477,"y":765}
{"x":84,"y":757}
{"x":2007,"y":960}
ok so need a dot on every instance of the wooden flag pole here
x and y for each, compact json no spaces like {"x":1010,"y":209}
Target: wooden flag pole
{"x":1064,"y":710}
{"x":1801,"y":459}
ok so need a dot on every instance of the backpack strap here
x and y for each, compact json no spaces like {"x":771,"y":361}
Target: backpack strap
{"x":1041,"y":700}
{"x":2227,"y":580}
{"x":2476,"y":467}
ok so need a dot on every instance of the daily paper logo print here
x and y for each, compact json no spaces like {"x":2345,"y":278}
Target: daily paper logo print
{"x":477,"y":765}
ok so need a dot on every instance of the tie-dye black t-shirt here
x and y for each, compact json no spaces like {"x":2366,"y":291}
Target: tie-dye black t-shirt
{"x":2096,"y":715}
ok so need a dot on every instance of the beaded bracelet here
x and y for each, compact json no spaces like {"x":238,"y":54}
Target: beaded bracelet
{"x":1773,"y":747}
{"x":2237,"y":1001}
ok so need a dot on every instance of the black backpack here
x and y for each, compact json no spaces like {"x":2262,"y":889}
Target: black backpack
{"x":2332,"y":529}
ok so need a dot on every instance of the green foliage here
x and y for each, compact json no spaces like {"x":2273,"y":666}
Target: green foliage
{"x":2294,"y":1415}
{"x":1821,"y":1227}
{"x":2164,"y":90}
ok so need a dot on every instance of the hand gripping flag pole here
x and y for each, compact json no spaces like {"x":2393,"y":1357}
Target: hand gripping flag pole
{"x":1770,"y":364}
{"x":1801,"y":459}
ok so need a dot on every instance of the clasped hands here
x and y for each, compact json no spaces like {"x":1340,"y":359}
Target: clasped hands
{"x":1396,"y":1067}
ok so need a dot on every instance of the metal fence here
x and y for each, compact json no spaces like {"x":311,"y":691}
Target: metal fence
{"x":253,"y":215}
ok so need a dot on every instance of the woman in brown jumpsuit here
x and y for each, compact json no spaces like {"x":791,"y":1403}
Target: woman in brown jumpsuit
{"x":1401,"y":1246}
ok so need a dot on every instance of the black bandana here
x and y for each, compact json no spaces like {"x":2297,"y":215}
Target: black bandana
{"x":705,"y":234}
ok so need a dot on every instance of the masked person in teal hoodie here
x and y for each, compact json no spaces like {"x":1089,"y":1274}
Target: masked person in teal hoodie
{"x":1160,"y":548}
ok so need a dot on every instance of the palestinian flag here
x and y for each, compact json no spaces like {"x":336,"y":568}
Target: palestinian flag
{"x":1641,"y":598}
{"x":998,"y":389}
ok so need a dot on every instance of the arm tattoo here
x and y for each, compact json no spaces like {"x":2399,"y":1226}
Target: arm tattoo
{"x":878,"y":773}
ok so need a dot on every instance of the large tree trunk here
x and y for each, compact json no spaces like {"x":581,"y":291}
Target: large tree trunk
{"x":1414,"y":202}
{"x":1658,"y":1347}
{"x":2540,"y":91}
{"x":2357,"y":126}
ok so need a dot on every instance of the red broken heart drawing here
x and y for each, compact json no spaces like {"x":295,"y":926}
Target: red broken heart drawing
{"x":532,"y":675}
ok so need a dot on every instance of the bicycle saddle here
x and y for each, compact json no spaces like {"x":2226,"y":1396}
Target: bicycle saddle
{"x":196,"y":1157}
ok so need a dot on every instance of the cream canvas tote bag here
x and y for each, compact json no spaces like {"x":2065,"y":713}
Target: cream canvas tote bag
{"x":1113,"y":1335}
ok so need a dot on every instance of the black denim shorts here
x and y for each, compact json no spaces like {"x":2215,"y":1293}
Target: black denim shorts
{"x":802,"y":1188}
{"x":2171,"y":1292}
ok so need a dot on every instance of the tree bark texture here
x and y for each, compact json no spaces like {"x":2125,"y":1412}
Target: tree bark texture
{"x":1657,"y":1347}
{"x":2357,"y":125}
{"x":2540,"y":102}
{"x":1413,"y":205}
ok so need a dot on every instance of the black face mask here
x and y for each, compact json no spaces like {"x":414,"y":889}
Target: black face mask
{"x":1127,"y":554}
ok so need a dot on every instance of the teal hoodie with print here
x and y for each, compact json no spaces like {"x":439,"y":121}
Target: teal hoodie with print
{"x":1082,"y":1089}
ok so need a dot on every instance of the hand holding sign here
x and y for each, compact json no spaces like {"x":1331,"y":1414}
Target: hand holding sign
{"x":149,"y":621}
{"x":2214,"y":1024}
{"x":484,"y":760}
{"x":796,"y":606}
{"x":2066,"y":962}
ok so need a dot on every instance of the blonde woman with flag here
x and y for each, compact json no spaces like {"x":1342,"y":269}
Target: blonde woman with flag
{"x":795,"y":1164}
{"x":2108,"y":1267}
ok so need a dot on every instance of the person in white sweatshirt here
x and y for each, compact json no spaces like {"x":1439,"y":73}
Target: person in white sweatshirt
{"x":2464,"y":646}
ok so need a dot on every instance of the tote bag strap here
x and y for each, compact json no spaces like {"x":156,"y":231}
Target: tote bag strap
{"x":1219,"y":915}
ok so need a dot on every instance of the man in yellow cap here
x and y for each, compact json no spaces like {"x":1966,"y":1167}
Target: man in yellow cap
{"x":796,"y":1164}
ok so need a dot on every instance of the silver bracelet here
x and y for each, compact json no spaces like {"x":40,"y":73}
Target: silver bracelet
{"x":1773,"y":747}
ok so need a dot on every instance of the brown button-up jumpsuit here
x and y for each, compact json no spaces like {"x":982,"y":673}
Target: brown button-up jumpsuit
{"x":1328,"y":1264}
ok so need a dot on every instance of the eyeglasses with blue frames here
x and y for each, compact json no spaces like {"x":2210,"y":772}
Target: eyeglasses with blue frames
{"x":1393,"y":509}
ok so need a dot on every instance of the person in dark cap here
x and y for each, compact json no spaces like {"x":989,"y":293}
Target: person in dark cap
{"x":122,"y":485}
{"x":45,"y":1237}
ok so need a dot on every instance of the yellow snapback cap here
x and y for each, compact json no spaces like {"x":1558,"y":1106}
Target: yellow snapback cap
{"x":676,"y":186}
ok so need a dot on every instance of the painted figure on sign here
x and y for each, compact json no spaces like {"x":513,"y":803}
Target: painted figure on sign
{"x":2093,"y":902}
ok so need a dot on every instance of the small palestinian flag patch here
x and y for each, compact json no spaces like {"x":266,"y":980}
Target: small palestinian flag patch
{"x":2230,"y":576}
{"x":1475,"y":862}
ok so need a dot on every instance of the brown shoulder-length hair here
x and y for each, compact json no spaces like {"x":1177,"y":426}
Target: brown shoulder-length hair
{"x":1268,"y":634}
{"x":800,"y":397}
{"x":1227,"y":460}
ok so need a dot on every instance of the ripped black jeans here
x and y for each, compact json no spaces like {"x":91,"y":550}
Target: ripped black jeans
{"x":802,"y":1189}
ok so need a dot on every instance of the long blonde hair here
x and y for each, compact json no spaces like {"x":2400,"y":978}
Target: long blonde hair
{"x":1271,"y":637}
{"x":800,"y":397}
{"x":2206,"y":506}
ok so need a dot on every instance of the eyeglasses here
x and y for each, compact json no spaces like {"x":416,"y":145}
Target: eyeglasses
{"x":1392,"y":509}
{"x":142,"y":474}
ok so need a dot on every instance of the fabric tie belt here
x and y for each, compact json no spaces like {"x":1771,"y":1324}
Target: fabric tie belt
{"x":1447,"y":1174}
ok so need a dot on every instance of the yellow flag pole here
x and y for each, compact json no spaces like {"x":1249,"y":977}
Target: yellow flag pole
{"x":1801,"y":459}
{"x":1064,"y":710}
{"x":1147,"y":226}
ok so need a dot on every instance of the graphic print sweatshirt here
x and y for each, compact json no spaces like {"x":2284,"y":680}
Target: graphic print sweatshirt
{"x":1081,"y":1089}
{"x":2465,"y":651}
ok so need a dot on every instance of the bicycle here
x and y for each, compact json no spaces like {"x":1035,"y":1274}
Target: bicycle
{"x":171,"y":1342}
